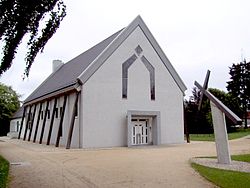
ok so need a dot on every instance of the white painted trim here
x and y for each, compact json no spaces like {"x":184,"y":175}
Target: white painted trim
{"x":107,"y":52}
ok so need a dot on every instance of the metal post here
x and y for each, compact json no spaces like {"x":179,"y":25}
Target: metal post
{"x":185,"y":125}
{"x":61,"y":121}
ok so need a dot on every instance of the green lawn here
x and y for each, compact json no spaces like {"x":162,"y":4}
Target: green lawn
{"x":226,"y":178}
{"x":4,"y":171}
{"x":245,"y":157}
{"x":210,"y":137}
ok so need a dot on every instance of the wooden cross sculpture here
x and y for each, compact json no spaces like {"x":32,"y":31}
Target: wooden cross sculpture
{"x":219,"y":110}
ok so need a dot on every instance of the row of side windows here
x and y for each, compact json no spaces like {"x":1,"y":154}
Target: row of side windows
{"x":41,"y":117}
{"x":48,"y":113}
{"x":58,"y":113}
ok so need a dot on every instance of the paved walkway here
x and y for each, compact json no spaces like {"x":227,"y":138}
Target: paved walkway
{"x":35,"y":165}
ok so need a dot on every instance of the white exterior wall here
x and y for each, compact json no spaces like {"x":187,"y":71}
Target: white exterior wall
{"x":103,"y":109}
{"x":13,"y":124}
{"x":75,"y":143}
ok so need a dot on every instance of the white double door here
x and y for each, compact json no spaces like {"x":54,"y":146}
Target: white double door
{"x":141,"y":131}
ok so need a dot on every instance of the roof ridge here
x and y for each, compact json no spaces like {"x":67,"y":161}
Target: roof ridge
{"x":90,"y":70}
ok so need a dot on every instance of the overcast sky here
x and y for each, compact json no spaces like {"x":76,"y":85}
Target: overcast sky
{"x":195,"y":35}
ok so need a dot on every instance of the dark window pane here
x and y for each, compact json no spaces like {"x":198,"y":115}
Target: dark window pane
{"x":152,"y":76}
{"x":56,"y":112}
{"x":76,"y":114}
{"x":61,"y":109}
{"x":125,"y":67}
{"x":48,"y":114}
{"x":138,"y":50}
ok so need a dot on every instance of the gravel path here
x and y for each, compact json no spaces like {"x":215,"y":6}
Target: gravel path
{"x":35,"y":165}
{"x":234,"y":166}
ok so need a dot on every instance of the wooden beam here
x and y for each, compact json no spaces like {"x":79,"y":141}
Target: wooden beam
{"x":20,"y":131}
{"x":27,"y":123}
{"x":52,"y":121}
{"x":37,"y":121}
{"x":44,"y":122}
{"x":61,"y":121}
{"x":220,"y":105}
{"x":32,"y":122}
{"x":205,"y":85}
{"x":72,"y":122}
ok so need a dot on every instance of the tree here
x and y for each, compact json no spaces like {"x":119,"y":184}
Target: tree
{"x":9,"y":103}
{"x":231,"y":102}
{"x":198,"y":121}
{"x":21,"y":17}
{"x":201,"y":121}
{"x":239,"y":85}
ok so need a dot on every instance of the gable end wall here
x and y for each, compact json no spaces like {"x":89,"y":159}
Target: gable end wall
{"x":104,"y":111}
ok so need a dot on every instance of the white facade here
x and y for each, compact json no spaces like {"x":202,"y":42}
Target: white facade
{"x":105,"y":116}
{"x":14,"y":127}
{"x":104,"y":110}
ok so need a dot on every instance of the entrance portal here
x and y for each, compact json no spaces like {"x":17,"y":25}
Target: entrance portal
{"x":141,"y":131}
{"x":143,"y":128}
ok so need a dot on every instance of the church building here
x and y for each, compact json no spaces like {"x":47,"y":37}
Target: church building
{"x":122,"y":92}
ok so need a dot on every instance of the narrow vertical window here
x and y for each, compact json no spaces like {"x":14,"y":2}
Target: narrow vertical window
{"x":61,"y":109}
{"x":17,"y":126}
{"x":152,"y":76}
{"x":48,"y":114}
{"x":125,"y":67}
{"x":48,"y":111}
{"x":41,"y":115}
{"x":76,"y":112}
{"x":29,"y":125}
{"x":56,"y":112}
{"x":60,"y":132}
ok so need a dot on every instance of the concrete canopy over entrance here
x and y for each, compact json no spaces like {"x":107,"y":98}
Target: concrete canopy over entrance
{"x":156,"y":126}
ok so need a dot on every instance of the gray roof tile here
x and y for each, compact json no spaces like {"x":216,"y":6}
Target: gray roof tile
{"x":18,"y":113}
{"x":67,"y":74}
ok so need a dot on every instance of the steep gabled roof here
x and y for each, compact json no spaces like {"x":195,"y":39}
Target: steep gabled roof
{"x":66,"y":75}
{"x":81,"y":68}
{"x":138,"y":22}
{"x":18,"y":113}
